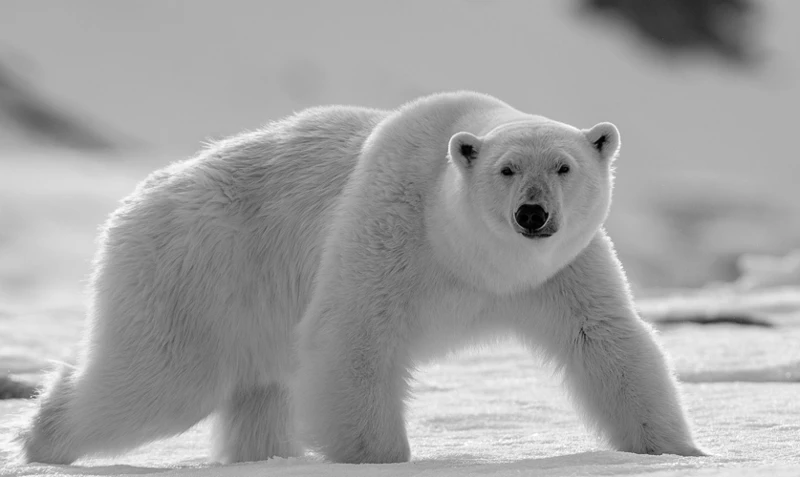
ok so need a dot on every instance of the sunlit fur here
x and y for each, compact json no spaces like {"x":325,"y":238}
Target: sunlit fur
{"x":363,"y":235}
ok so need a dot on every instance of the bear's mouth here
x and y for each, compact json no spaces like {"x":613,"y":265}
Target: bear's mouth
{"x":548,"y":230}
{"x":535,"y":235}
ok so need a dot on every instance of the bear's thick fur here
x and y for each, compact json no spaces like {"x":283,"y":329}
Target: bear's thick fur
{"x":380,"y":239}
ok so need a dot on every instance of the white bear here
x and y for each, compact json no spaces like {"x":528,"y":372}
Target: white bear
{"x":381,"y":240}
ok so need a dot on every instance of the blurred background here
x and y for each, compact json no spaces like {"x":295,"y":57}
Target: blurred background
{"x":94,"y":94}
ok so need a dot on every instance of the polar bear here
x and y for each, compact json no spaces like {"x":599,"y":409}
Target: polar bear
{"x":289,"y":279}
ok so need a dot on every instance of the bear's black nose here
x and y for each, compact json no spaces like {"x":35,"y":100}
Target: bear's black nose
{"x":531,"y":217}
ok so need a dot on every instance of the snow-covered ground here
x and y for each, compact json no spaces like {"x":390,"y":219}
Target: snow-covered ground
{"x":497,"y":412}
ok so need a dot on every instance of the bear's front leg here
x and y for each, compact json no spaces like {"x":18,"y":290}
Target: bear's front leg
{"x":352,"y":378}
{"x":617,"y":373}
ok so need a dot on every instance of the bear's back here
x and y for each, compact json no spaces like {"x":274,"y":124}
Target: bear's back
{"x":285,"y":184}
{"x":259,"y":203}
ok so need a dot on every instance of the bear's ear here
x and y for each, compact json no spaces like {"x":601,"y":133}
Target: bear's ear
{"x":604,"y":137}
{"x":464,"y":148}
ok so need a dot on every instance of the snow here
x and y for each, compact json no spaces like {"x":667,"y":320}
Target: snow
{"x":497,"y":411}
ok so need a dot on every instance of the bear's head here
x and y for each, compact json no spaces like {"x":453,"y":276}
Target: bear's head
{"x":537,"y":179}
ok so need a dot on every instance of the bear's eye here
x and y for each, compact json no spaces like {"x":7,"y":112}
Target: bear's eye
{"x":563,"y":169}
{"x":507,"y":171}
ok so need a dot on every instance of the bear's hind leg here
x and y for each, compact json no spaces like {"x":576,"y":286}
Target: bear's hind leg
{"x":120,"y":400}
{"x":47,"y":439}
{"x":255,"y":424}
